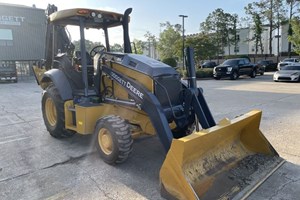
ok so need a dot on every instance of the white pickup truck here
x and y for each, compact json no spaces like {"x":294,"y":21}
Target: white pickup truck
{"x":288,"y":61}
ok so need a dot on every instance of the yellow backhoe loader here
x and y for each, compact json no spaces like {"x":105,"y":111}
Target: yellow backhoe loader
{"x":121,"y":96}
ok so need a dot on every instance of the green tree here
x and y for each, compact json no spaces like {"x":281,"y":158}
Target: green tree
{"x":257,"y":27}
{"x":222,"y":24}
{"x":258,"y":30}
{"x":170,"y":61}
{"x":204,"y":46}
{"x":116,"y":48}
{"x":169,"y":45}
{"x":292,"y":4}
{"x":295,"y":38}
{"x":233,"y":32}
{"x":89,"y":45}
{"x":138,"y":46}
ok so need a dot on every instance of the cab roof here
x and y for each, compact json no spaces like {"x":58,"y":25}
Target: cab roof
{"x":93,"y":18}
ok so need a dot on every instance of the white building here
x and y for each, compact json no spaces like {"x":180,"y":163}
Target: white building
{"x":246,"y":44}
{"x":150,"y":50}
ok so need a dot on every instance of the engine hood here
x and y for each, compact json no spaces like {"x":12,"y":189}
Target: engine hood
{"x":224,"y":66}
{"x":287,"y":72}
{"x":148,"y":65}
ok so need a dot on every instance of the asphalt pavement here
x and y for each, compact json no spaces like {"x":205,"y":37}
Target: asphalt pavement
{"x":34,"y":165}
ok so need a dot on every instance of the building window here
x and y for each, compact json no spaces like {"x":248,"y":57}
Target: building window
{"x":236,"y":49}
{"x":6,"y":37}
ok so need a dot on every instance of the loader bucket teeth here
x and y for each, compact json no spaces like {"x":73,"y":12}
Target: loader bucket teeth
{"x":218,"y":163}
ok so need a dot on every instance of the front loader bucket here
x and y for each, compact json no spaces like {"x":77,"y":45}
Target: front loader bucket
{"x":222,"y":162}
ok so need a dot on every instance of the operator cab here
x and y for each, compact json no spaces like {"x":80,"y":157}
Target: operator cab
{"x":79,"y":64}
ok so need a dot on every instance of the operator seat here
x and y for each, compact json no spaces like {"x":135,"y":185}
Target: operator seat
{"x":74,"y":77}
{"x":90,"y":69}
{"x":77,"y":58}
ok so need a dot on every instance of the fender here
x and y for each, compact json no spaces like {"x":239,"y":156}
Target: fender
{"x":60,"y":81}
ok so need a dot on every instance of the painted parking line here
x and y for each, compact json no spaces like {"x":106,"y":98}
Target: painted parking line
{"x":11,"y":136}
{"x":14,"y":140}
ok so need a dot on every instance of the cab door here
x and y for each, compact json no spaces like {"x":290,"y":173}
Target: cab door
{"x":248,"y":67}
{"x":242,"y":67}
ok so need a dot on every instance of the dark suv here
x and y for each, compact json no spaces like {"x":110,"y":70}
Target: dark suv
{"x":266,"y":65}
{"x":233,"y":68}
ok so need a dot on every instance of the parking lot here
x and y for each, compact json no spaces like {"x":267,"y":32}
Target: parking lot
{"x":34,"y":165}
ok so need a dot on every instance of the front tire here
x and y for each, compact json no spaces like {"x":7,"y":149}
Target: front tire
{"x":234,"y":75}
{"x":113,"y":139}
{"x":53,"y":113}
{"x":253,"y":74}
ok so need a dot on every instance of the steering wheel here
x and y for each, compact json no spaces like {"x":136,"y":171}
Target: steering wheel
{"x":97,"y":49}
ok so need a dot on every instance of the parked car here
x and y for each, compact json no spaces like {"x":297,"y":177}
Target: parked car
{"x":8,"y":72}
{"x":209,"y":64}
{"x":288,"y":73}
{"x":233,"y":68}
{"x":267,"y":65}
{"x":288,"y":61}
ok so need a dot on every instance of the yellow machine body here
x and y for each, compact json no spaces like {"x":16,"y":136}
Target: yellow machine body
{"x":82,"y":119}
{"x":201,"y":165}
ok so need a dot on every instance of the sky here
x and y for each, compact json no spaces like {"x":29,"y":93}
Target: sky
{"x":147,"y":15}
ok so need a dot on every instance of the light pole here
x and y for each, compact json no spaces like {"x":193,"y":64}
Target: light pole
{"x":183,"y":16}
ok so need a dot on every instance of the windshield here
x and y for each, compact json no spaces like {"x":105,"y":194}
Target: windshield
{"x":288,"y":60}
{"x":230,"y":62}
{"x":294,"y":67}
{"x":95,"y":37}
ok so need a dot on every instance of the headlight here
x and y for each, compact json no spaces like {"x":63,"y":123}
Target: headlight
{"x":229,"y":69}
{"x":295,"y":74}
{"x":93,"y":14}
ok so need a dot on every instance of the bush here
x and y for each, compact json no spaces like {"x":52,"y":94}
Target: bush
{"x":204,"y":73}
{"x":170,"y":61}
{"x":200,"y":73}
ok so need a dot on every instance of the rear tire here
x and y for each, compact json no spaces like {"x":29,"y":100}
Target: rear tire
{"x":113,"y":139}
{"x":53,"y":113}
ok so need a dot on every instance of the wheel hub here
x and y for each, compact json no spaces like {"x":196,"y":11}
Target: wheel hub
{"x":51,"y":112}
{"x":105,"y":141}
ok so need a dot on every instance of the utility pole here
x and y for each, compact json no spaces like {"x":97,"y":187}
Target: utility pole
{"x":278,"y":36}
{"x":271,"y":27}
{"x":183,"y":38}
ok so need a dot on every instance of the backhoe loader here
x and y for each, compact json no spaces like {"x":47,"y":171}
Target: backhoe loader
{"x":121,"y":96}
